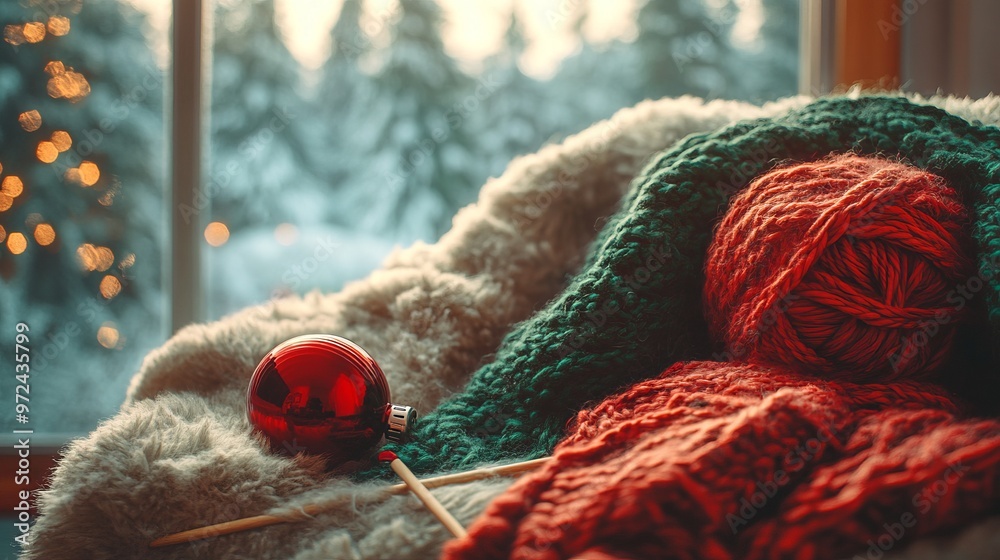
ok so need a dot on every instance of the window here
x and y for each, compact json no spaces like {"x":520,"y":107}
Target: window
{"x":340,"y":130}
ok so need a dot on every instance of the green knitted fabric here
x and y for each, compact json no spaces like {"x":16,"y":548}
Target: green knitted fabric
{"x":635,"y":307}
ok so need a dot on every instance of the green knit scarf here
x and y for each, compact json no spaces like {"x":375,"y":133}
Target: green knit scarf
{"x":635,"y":307}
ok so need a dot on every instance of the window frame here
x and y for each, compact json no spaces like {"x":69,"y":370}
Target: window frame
{"x":189,"y":68}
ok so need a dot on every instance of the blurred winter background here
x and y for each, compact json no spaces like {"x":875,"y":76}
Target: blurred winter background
{"x":338,"y":130}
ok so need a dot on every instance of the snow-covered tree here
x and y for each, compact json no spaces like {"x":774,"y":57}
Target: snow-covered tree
{"x":595,"y":82}
{"x":258,"y":149}
{"x":341,"y":77}
{"x":683,"y":48}
{"x":416,"y":166}
{"x":82,"y":204}
{"x":779,"y":54}
{"x":518,"y":115}
{"x":340,"y":96}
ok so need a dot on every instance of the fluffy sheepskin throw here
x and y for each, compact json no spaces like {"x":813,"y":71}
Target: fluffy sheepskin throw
{"x":180,"y":453}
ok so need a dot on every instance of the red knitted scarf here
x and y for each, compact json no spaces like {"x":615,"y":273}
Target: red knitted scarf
{"x":721,"y":461}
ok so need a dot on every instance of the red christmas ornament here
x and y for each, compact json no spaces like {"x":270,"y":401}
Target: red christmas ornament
{"x":323,"y":394}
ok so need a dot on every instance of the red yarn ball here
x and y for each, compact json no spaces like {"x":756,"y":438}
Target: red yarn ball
{"x":841,"y":267}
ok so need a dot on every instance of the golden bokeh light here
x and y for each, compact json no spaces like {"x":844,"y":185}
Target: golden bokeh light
{"x":68,"y":85}
{"x":92,"y":257}
{"x":1,"y":168}
{"x":45,"y":234}
{"x":17,"y":243}
{"x":105,"y":258}
{"x":5,"y":202}
{"x":286,"y":234}
{"x":61,"y":140}
{"x":87,"y":254}
{"x":46,"y":152}
{"x":14,"y":34}
{"x":3,"y":234}
{"x":127,"y":262}
{"x":73,"y":176}
{"x":12,"y":186}
{"x":55,"y":68}
{"x":89,"y":173}
{"x":58,"y":25}
{"x":34,"y":32}
{"x":216,"y":233}
{"x":107,"y":335}
{"x":110,"y":286}
{"x":107,"y":199}
{"x":30,"y":120}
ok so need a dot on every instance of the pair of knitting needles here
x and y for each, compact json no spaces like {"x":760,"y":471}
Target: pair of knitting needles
{"x":410,"y":483}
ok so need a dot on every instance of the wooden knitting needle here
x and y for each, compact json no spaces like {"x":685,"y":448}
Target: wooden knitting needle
{"x":258,"y":521}
{"x":421,"y":491}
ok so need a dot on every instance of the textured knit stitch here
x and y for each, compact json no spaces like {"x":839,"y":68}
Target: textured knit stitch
{"x":633,"y":309}
{"x":722,"y":461}
{"x":840,"y":267}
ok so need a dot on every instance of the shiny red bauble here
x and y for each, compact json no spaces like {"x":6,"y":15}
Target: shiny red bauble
{"x":323,"y":394}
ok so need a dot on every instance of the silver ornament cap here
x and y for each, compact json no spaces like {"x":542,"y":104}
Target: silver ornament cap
{"x":401,"y":419}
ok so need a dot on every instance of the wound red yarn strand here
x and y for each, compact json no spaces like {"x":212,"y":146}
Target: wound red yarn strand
{"x":841,"y":267}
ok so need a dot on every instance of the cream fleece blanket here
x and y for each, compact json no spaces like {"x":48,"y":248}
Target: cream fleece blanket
{"x":180,"y":453}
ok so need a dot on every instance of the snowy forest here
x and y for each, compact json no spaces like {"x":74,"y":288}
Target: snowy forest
{"x":376,"y":149}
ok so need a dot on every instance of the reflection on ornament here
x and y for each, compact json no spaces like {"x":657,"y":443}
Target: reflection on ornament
{"x":323,"y":394}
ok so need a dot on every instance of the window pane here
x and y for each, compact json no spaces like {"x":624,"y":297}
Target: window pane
{"x":81,"y":208}
{"x":342,"y":129}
